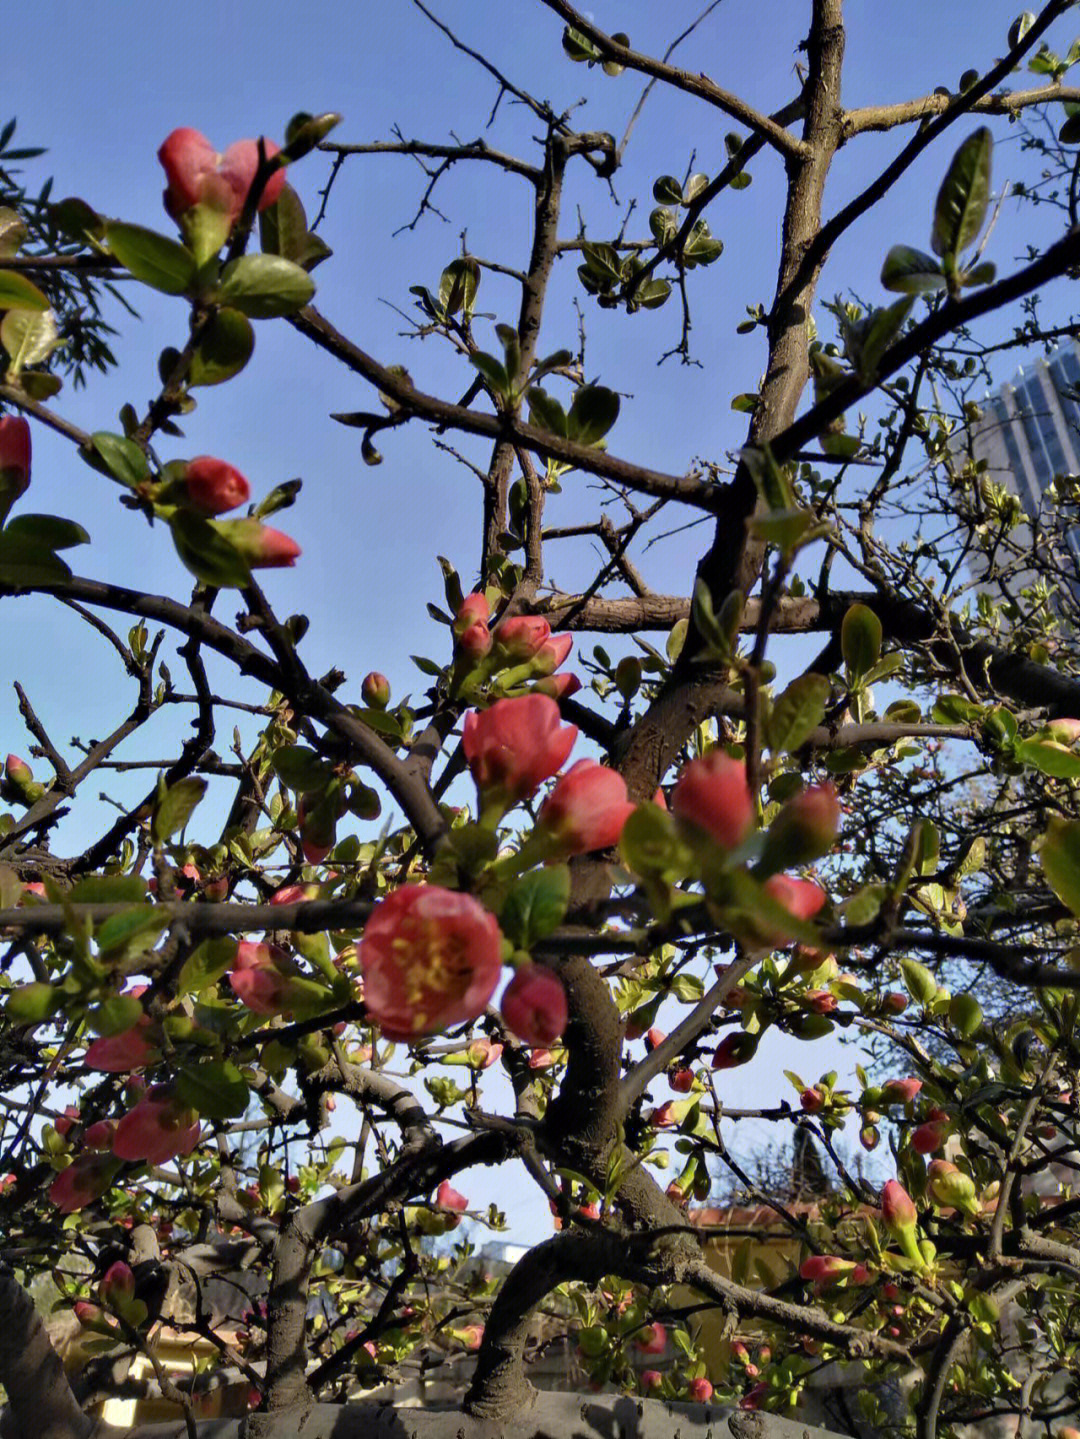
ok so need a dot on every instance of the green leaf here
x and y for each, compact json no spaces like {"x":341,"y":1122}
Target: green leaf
{"x":667,"y":190}
{"x":19,"y":293}
{"x":175,"y":806}
{"x":215,"y":1088}
{"x":964,"y":195}
{"x":546,"y":413}
{"x":918,"y":981}
{"x":132,"y":931}
{"x":800,"y":709}
{"x":300,"y":768}
{"x":108,"y":889}
{"x":32,"y":1003}
{"x":664,"y":224}
{"x":652,"y":294}
{"x":115,"y":1015}
{"x":206,"y":964}
{"x":536,"y":905}
{"x":23,"y":562}
{"x":458,"y":285}
{"x":1060,"y":855}
{"x":694,"y":187}
{"x":207,"y":552}
{"x":979,"y":275}
{"x":881,"y":330}
{"x":1049,"y":758}
{"x":265,"y":286}
{"x":121,"y":458}
{"x":157,"y":261}
{"x":577,"y":47}
{"x":29,"y":336}
{"x":860,"y":640}
{"x":223,"y":350}
{"x":965,"y":1014}
{"x":912,"y":272}
{"x":593,"y":411}
{"x":13,"y":232}
{"x":49,"y":531}
{"x":493,"y":371}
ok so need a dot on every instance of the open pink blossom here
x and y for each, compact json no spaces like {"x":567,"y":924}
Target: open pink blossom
{"x":515,"y":745}
{"x":430,"y":958}
{"x":198,"y":175}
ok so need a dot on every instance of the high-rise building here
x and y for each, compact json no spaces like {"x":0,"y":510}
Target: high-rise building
{"x":1031,"y":431}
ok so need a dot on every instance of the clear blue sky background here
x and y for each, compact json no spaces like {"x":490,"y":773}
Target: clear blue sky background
{"x":102,"y":85}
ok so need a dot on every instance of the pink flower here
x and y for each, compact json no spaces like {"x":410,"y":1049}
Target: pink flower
{"x":521,"y":637}
{"x":541,"y":1059}
{"x":682,"y":1081}
{"x":82,"y":1182}
{"x":212,"y":486}
{"x":804,"y":829}
{"x":534,"y":1005}
{"x":471,"y":1335}
{"x":586,"y":810}
{"x":475,"y":642}
{"x":557,"y":687}
{"x":449,"y":1200}
{"x":122,"y":1053}
{"x":257,"y":978}
{"x":515,"y":745}
{"x":652,"y":1339}
{"x":117,"y":1285}
{"x":712,"y":795}
{"x":294,"y":893}
{"x":552,"y":653}
{"x":430,"y":958}
{"x":825,"y":1269}
{"x":897,"y":1209}
{"x":651,"y":1379}
{"x":198,"y":175}
{"x":474,"y":610}
{"x":375,"y":690}
{"x":811,"y":1100}
{"x":158,"y":1128}
{"x":802,"y":898}
{"x":927,"y":1138}
{"x":262,"y":547}
{"x":820,"y":1001}
{"x":900,"y":1091}
{"x":14,"y":461}
{"x":700,"y":1391}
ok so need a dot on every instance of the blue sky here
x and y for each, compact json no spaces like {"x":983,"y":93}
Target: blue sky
{"x":110,"y":82}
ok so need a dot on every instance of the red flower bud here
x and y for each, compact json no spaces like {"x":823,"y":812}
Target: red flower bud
{"x":682,"y":1081}
{"x":262,"y":547}
{"x":898,"y":1211}
{"x":117,"y":1285}
{"x":198,"y":175}
{"x":551,"y":654}
{"x":586,"y":810}
{"x":475,"y":642}
{"x":713,"y":796}
{"x":212,"y":486}
{"x":812,"y":1100}
{"x":521,"y":637}
{"x":474,"y":610}
{"x":825,"y":1270}
{"x":650,"y":1379}
{"x":894,"y":1002}
{"x":700,"y":1391}
{"x":900,"y":1091}
{"x":534,"y":1005}
{"x":557,"y":687}
{"x":652,"y":1339}
{"x":449,"y":1200}
{"x":375,"y":690}
{"x":804,"y":829}
{"x":14,"y":461}
{"x":430,"y":958}
{"x":259,"y":977}
{"x":929,"y":1137}
{"x":515,"y":745}
{"x":820,"y":1001}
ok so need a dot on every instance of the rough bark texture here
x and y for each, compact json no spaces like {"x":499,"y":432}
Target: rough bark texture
{"x":40,"y":1402}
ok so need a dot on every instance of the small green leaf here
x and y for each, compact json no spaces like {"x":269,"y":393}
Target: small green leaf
{"x":32,"y":1003}
{"x":23,"y":562}
{"x":115,"y":1015}
{"x":1049,"y":758}
{"x":175,"y":806}
{"x":536,"y":905}
{"x":919,"y":982}
{"x":49,"y":531}
{"x":19,"y":293}
{"x":593,"y":411}
{"x":224,"y":348}
{"x":207,"y":552}
{"x":121,"y":457}
{"x":694,"y":187}
{"x":131,"y":931}
{"x":798,"y":711}
{"x":108,"y":889}
{"x":29,"y":336}
{"x":157,"y":261}
{"x":577,"y":47}
{"x":300,"y":768}
{"x":215,"y":1088}
{"x":458,"y":285}
{"x":265,"y":286}
{"x":13,"y":232}
{"x":912,"y":272}
{"x":546,"y":413}
{"x":964,"y":195}
{"x":206,"y":964}
{"x":493,"y":371}
{"x":860,"y":640}
{"x":1060,"y":855}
